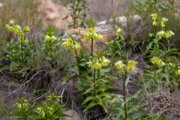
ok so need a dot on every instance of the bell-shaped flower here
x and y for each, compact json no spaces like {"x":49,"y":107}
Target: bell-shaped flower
{"x":132,"y":66}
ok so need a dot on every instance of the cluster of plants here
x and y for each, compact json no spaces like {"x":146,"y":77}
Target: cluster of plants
{"x":52,"y":109}
{"x":96,"y":71}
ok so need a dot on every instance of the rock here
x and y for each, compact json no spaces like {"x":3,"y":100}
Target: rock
{"x":73,"y":115}
{"x":106,"y":29}
{"x":53,"y":14}
{"x":1,"y":4}
{"x":122,"y":21}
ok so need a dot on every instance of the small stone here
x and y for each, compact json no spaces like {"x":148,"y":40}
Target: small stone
{"x":73,"y":115}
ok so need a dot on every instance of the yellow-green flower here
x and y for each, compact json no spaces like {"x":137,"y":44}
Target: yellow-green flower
{"x":105,"y":61}
{"x":91,"y":34}
{"x":18,"y":27}
{"x":161,"y":34}
{"x":154,"y":23}
{"x":132,"y":66}
{"x":11,"y":22}
{"x":18,"y":30}
{"x":119,"y":34}
{"x":157,"y":61}
{"x":27,"y":29}
{"x":97,"y":65}
{"x":163,"y":21}
{"x":169,"y":34}
{"x":154,"y":16}
{"x":97,"y":36}
{"x":53,"y":38}
{"x":91,"y":30}
{"x":18,"y":105}
{"x":11,"y":29}
{"x":47,"y":37}
{"x":121,"y":66}
{"x":68,"y":43}
{"x":23,"y":40}
{"x":76,"y":47}
{"x":118,"y":64}
{"x":119,"y":30}
{"x":7,"y":26}
{"x":171,"y":64}
{"x":178,"y":72}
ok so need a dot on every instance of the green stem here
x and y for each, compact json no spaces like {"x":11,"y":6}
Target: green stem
{"x":77,"y":60}
{"x":94,"y":82}
{"x":124,"y":96}
{"x":92,"y":47}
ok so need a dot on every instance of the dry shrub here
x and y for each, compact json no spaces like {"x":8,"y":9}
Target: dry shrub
{"x":165,"y":101}
{"x":23,"y":12}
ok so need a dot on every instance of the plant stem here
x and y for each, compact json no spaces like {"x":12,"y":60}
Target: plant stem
{"x":77,"y":60}
{"x":94,"y":82}
{"x":92,"y":47}
{"x":124,"y":96}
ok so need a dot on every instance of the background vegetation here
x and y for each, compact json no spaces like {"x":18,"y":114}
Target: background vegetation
{"x":136,"y":77}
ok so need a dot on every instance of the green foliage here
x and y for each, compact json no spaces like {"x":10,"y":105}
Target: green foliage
{"x":97,"y":94}
{"x":18,"y":51}
{"x":78,"y":13}
{"x":134,"y":109}
{"x":52,"y":109}
{"x":153,"y":6}
{"x":49,"y":47}
{"x":24,"y":110}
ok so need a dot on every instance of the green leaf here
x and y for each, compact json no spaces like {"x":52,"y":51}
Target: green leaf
{"x":88,"y":99}
{"x":90,"y":106}
{"x":4,"y":68}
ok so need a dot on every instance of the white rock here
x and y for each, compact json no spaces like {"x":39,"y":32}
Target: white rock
{"x":73,"y":115}
{"x":1,"y":4}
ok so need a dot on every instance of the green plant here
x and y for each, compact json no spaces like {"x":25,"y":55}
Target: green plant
{"x":151,"y":6}
{"x":100,"y":83}
{"x":18,"y":51}
{"x":78,"y":9}
{"x":159,"y":40}
{"x":24,"y":110}
{"x":52,"y":109}
{"x":50,"y":47}
{"x":23,"y":12}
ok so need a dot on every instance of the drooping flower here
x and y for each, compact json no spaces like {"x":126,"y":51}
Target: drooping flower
{"x":157,"y":61}
{"x":76,"y":47}
{"x":27,"y":29}
{"x":169,"y":34}
{"x":91,"y":34}
{"x":119,"y":34}
{"x":171,"y":64}
{"x":154,"y":23}
{"x":18,"y":30}
{"x":163,"y":22}
{"x":68,"y":43}
{"x":132,"y":66}
{"x":97,"y":65}
{"x":161,"y":34}
{"x":121,"y":66}
{"x":105,"y":61}
{"x":11,"y":22}
{"x":178,"y":72}
{"x":154,"y":16}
